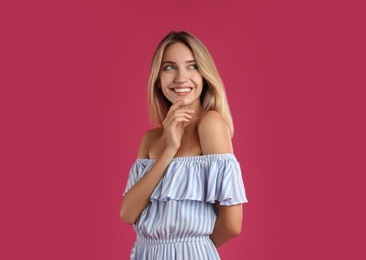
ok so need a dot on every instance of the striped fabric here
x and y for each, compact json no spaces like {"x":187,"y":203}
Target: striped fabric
{"x":182,"y":214}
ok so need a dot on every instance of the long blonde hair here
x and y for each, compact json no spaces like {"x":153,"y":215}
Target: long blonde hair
{"x":213,"y":95}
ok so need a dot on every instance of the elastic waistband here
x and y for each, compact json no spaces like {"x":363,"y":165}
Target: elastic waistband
{"x":153,"y":241}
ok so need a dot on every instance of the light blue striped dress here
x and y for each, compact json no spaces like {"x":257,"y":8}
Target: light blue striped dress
{"x":182,"y":213}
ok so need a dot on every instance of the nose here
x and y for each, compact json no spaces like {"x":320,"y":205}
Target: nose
{"x":180,"y":78}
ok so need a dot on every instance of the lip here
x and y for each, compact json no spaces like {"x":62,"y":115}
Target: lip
{"x":181,"y":93}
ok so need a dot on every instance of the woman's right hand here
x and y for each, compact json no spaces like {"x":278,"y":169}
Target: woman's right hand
{"x":174,"y":124}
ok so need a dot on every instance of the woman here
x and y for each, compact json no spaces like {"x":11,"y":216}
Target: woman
{"x":185,"y":190}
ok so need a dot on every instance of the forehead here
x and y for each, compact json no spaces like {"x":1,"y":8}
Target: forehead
{"x":178,"y":51}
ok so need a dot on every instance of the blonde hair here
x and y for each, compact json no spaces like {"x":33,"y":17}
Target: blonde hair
{"x":213,"y":95}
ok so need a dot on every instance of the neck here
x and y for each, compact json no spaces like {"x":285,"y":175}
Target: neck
{"x":196,"y":107}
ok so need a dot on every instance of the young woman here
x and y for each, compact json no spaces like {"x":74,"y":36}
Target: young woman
{"x":185,"y":190}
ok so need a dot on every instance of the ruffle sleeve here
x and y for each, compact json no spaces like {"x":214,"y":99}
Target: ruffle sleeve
{"x":137,"y":171}
{"x":206,"y":178}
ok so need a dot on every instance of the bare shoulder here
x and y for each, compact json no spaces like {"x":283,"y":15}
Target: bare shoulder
{"x":211,"y":117}
{"x":214,"y":134}
{"x":148,"y":139}
{"x":213,"y":122}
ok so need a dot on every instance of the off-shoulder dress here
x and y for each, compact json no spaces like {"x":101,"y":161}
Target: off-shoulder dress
{"x":181,"y":214}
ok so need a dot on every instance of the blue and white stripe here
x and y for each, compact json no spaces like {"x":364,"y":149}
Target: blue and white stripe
{"x":181,"y":216}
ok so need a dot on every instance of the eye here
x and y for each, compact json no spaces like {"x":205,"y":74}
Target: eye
{"x":168,"y":67}
{"x":193,"y":66}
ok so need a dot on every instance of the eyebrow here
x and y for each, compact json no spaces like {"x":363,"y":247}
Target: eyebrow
{"x":171,"y":62}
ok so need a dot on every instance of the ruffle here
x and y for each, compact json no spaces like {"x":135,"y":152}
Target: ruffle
{"x":206,"y":178}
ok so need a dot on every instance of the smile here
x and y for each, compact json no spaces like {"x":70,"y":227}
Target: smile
{"x":182,"y":90}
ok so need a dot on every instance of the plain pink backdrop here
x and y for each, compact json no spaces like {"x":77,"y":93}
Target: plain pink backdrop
{"x":73,"y":109}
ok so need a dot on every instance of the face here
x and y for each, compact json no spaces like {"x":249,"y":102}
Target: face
{"x":180,"y":78}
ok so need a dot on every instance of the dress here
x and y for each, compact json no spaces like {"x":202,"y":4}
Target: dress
{"x":182,"y":213}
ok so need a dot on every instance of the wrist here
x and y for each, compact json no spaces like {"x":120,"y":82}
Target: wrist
{"x":170,"y":152}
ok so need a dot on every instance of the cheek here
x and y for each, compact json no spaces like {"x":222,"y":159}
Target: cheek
{"x":164,"y":90}
{"x":164,"y":81}
{"x":199,"y":81}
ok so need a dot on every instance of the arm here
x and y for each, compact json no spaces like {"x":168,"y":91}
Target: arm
{"x":228,"y":224}
{"x":215,"y":138}
{"x":138,"y":197}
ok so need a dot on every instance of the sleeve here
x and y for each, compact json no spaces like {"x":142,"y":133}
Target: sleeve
{"x":227,"y":183}
{"x":210,"y":179}
{"x":138,"y":169}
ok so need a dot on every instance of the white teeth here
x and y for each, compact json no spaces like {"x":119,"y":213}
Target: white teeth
{"x":181,"y":90}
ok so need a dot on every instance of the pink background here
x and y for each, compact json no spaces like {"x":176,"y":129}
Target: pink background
{"x":73,"y":110}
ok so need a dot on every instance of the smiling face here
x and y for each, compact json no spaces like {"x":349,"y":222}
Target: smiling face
{"x":179,"y":76}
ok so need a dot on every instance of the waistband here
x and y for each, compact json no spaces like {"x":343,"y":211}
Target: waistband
{"x":154,"y":241}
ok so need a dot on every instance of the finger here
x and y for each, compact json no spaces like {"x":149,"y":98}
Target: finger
{"x":173,"y":121}
{"x":176,"y":105}
{"x":178,"y":112}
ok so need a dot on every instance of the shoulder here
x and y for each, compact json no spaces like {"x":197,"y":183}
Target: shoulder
{"x":148,"y":139}
{"x":214,"y":133}
{"x":153,"y":133}
{"x":212,"y":119}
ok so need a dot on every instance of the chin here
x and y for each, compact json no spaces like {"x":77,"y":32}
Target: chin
{"x":175,"y":100}
{"x":185,"y":102}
